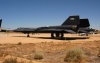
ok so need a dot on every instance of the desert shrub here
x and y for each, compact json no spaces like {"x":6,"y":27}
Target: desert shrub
{"x":38,"y":56}
{"x":3,"y":53}
{"x":75,"y":55}
{"x":19,"y":43}
{"x":10,"y":60}
{"x":99,"y":53}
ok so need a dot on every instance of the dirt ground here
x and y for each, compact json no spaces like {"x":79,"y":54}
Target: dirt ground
{"x":53,"y":50}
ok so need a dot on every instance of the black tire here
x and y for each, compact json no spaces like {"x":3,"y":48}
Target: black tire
{"x":52,"y":35}
{"x":28,"y":35}
{"x":58,"y":35}
{"x":62,"y":34}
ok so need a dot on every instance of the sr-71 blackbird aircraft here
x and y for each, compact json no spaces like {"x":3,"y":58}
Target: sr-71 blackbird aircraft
{"x":73,"y":24}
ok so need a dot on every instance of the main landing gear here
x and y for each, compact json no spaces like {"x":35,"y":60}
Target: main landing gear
{"x":57,"y":35}
{"x":53,"y":35}
{"x":28,"y":35}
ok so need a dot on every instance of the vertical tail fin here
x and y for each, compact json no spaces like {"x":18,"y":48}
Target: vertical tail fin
{"x":0,"y":22}
{"x":72,"y":20}
{"x":84,"y":23}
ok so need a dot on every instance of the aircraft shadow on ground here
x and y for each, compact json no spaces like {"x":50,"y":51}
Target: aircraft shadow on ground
{"x":64,"y":38}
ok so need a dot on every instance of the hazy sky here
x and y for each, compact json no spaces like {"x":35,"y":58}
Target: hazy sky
{"x":37,"y":13}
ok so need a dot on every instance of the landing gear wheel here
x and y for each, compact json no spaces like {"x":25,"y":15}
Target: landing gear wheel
{"x":62,"y":35}
{"x":57,"y":35}
{"x":86,"y":34}
{"x":28,"y":35}
{"x":52,"y":35}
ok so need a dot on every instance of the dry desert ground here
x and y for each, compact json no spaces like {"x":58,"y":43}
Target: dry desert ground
{"x":40,"y":48}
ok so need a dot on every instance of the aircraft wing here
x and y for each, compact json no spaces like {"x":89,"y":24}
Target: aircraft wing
{"x":49,"y":30}
{"x":28,"y":30}
{"x":56,"y":30}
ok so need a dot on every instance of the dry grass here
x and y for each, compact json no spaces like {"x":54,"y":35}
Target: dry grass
{"x":10,"y":60}
{"x":3,"y":53}
{"x":19,"y":43}
{"x":38,"y":56}
{"x":75,"y":55}
{"x":99,"y":53}
{"x":53,"y":52}
{"x":16,"y":60}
